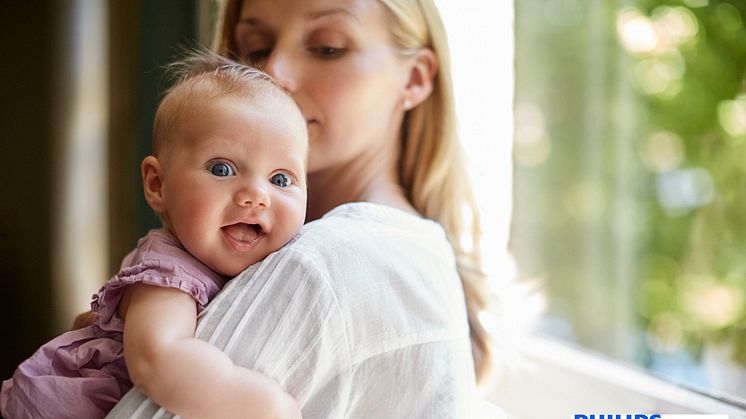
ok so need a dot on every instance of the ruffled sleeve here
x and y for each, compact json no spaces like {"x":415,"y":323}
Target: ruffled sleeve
{"x":159,"y":261}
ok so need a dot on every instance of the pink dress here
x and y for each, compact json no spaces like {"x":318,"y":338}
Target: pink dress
{"x":82,"y":373}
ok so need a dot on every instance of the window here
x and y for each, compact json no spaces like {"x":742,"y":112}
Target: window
{"x":630,"y":180}
{"x":80,"y":206}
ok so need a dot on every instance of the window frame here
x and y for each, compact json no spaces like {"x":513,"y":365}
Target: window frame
{"x":569,"y":380}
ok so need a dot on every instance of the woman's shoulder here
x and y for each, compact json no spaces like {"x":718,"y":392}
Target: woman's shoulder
{"x":365,"y":239}
{"x":361,"y":225}
{"x":392,"y":274}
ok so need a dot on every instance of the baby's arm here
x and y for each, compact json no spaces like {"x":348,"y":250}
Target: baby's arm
{"x":186,"y":375}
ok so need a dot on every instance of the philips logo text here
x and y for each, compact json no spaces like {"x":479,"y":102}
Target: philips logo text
{"x":644,"y":416}
{"x":618,"y":416}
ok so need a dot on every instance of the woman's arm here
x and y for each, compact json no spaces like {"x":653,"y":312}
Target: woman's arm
{"x":185,"y":375}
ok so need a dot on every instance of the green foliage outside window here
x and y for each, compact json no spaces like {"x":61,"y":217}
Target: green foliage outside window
{"x":630,"y":172}
{"x":694,"y":272}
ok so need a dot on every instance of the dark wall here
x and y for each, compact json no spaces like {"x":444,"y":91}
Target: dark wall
{"x":144,"y":35}
{"x":27,"y":29}
{"x":165,"y":28}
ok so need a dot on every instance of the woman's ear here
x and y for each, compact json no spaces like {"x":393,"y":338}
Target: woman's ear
{"x":152,"y":183}
{"x":421,"y":77}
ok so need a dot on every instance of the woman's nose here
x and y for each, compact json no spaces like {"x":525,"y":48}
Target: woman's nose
{"x":253,"y":195}
{"x":280,"y":65}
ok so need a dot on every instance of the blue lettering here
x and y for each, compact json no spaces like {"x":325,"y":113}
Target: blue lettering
{"x":616,"y":416}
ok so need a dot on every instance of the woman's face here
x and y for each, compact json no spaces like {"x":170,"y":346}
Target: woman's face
{"x":337,"y":59}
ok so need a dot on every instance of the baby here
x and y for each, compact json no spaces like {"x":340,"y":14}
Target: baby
{"x":227,"y":177}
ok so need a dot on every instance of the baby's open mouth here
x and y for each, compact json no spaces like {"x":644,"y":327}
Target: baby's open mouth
{"x":243,"y":233}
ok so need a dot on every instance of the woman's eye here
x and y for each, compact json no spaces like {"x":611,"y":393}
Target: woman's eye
{"x":221,"y":169}
{"x":257,"y":56}
{"x":281,"y":179}
{"x":326,"y":51}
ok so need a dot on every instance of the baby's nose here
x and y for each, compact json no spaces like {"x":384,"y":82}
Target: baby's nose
{"x":253,"y":196}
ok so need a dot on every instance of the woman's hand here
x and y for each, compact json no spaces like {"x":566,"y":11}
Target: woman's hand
{"x":84,"y":319}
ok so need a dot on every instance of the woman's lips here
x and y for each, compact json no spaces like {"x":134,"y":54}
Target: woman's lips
{"x":243,"y":236}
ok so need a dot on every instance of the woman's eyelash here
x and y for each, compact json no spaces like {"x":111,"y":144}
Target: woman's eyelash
{"x":256,"y":56}
{"x":260,"y":53}
{"x":324,"y":51}
{"x":327,"y":51}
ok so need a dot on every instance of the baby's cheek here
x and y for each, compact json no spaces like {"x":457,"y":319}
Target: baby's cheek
{"x":292,"y":219}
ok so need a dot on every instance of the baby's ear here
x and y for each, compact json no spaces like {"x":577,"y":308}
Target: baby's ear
{"x":152,"y":183}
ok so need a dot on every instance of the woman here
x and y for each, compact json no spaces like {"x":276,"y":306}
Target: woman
{"x":365,"y":313}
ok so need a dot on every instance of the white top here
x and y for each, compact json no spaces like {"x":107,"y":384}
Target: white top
{"x":361,"y":316}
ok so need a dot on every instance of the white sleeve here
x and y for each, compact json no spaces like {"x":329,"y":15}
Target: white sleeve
{"x":279,"y":318}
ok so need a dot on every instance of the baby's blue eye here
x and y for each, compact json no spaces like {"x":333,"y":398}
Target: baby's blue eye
{"x":221,"y":169}
{"x":281,"y":179}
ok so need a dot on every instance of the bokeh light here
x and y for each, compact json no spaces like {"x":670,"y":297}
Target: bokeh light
{"x":662,"y":151}
{"x":636,"y":31}
{"x":660,"y":76}
{"x":675,"y":25}
{"x":712,"y":304}
{"x":586,"y":201}
{"x":732,"y":116}
{"x":666,"y":29}
{"x":680,"y":191}
{"x":729,"y":17}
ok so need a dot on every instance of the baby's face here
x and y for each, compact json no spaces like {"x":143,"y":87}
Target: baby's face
{"x":234,"y":183}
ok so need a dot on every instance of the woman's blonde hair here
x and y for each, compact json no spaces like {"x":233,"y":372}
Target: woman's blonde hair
{"x":431,"y":166}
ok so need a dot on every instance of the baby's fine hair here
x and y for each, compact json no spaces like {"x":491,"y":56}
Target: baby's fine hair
{"x":204,"y":75}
